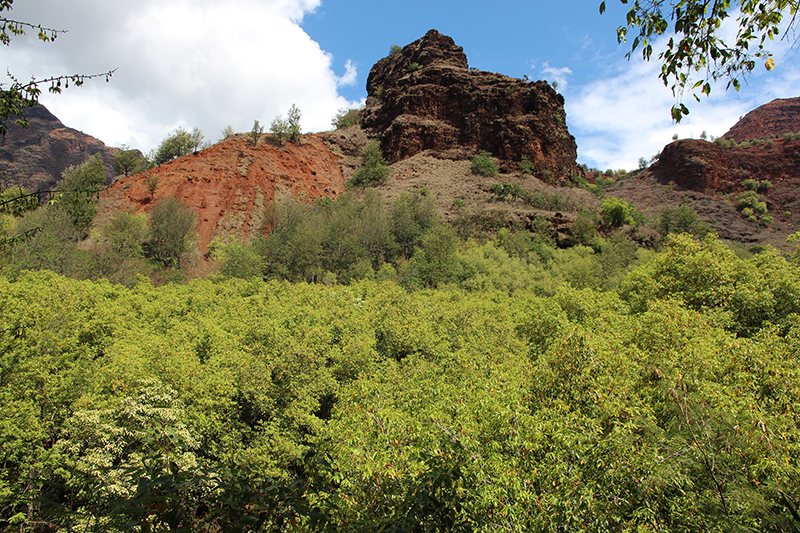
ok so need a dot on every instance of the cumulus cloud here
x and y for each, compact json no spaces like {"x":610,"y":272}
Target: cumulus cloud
{"x":350,"y":76}
{"x":556,"y":74}
{"x":624,"y":112}
{"x":202,"y":63}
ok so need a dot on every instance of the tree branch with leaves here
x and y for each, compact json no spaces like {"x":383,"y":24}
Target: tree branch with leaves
{"x":697,"y":53}
{"x":17,"y":96}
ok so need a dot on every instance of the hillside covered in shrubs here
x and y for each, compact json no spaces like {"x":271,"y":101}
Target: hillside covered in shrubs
{"x":665,"y":405}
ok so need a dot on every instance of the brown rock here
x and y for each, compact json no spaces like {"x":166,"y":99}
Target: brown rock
{"x":426,"y":98}
{"x":709,"y":168}
{"x":774,"y":119}
{"x":34,"y":157}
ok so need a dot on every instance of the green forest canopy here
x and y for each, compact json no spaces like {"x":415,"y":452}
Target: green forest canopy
{"x":228,"y":404}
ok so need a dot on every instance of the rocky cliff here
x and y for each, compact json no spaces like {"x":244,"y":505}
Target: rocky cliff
{"x":774,"y":119}
{"x":425,"y":97}
{"x":34,"y":157}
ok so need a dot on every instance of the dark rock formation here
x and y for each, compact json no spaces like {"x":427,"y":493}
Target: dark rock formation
{"x":709,"y":168}
{"x":774,"y":119}
{"x":425,"y":97}
{"x":35,"y":157}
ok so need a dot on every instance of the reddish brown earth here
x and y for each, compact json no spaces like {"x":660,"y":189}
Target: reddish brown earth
{"x":770,"y":120}
{"x":230,"y":184}
{"x":34,"y":157}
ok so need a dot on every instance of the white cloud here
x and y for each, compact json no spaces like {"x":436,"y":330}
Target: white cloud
{"x":350,"y":76}
{"x":202,"y":63}
{"x":624,"y":113}
{"x":556,"y":74}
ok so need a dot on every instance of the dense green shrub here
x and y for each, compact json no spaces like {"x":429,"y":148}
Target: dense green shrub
{"x":78,"y":190}
{"x":681,"y":219}
{"x":346,"y":117}
{"x":171,"y":231}
{"x":127,"y":162}
{"x":484,"y":165}
{"x":248,"y":404}
{"x":373,"y":167}
{"x":178,"y":143}
{"x":616,"y":212}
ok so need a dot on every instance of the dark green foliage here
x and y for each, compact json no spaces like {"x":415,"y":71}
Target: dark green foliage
{"x":526,"y":167}
{"x":373,"y":166}
{"x":47,"y":241}
{"x":435,"y":261}
{"x":682,"y":219}
{"x":345,"y":118}
{"x":411,"y":217}
{"x":484,"y":165}
{"x":78,"y":190}
{"x":119,"y":249}
{"x":127,"y":162}
{"x":243,"y":405}
{"x":241,"y":260}
{"x":293,"y":130}
{"x":171,"y":231}
{"x":16,"y":201}
{"x":280,"y":131}
{"x":583,"y":229}
{"x":256,"y":132}
{"x":179,"y":143}
{"x":345,"y":238}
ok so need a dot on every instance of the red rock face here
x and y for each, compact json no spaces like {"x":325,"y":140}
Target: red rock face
{"x":35,"y":157}
{"x":426,"y":98}
{"x":709,"y":168}
{"x":230,"y":184}
{"x":774,"y":119}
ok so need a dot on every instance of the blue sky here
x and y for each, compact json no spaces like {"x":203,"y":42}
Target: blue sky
{"x":213,"y":63}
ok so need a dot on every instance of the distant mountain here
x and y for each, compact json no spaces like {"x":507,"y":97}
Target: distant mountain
{"x":35,"y":157}
{"x":774,"y":119}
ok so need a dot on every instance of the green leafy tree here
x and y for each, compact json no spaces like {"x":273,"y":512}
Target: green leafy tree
{"x":280,"y":131}
{"x":346,"y":117}
{"x":227,"y":132}
{"x":78,"y":190}
{"x":682,"y":219}
{"x":255,"y":133}
{"x":435,"y":261}
{"x":240,"y":260}
{"x":412,"y":215}
{"x":17,"y":96}
{"x":119,"y":249}
{"x":293,"y":123}
{"x":373,"y":166}
{"x":127,"y":162}
{"x":172,"y":227}
{"x":698,"y":51}
{"x":616,"y":212}
{"x":16,"y":201}
{"x":179,"y":143}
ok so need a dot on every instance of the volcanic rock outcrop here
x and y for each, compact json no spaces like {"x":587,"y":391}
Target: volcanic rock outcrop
{"x":426,"y":97}
{"x":774,"y":119}
{"x":34,"y":157}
